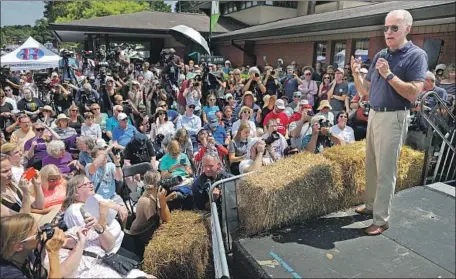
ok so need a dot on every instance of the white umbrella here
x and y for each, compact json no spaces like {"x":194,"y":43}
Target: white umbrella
{"x":190,"y":37}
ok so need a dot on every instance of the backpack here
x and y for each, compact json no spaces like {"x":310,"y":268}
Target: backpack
{"x":137,"y":150}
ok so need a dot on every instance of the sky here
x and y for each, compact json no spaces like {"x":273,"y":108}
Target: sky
{"x":20,"y":12}
{"x":26,"y":12}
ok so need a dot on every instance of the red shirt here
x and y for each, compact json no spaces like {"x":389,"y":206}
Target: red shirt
{"x":359,"y":112}
{"x":282,"y":121}
{"x":180,"y":97}
{"x":295,"y":117}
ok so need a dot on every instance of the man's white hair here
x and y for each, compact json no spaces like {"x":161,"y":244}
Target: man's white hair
{"x":87,"y":87}
{"x":54,"y":148}
{"x":430,"y":75}
{"x":116,"y":107}
{"x":405,"y":16}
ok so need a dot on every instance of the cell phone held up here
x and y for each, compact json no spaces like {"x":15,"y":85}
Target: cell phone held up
{"x":182,"y":162}
{"x":29,"y":174}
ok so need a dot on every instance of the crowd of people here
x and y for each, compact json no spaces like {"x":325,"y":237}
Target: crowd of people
{"x":69,"y":145}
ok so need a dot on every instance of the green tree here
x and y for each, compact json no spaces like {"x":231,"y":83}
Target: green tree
{"x":188,"y":7}
{"x":40,"y":31}
{"x":160,"y":6}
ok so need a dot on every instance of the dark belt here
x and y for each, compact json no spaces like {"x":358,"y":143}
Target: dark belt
{"x":384,"y":109}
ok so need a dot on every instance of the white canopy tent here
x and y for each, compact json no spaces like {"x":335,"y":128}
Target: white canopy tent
{"x":31,"y":55}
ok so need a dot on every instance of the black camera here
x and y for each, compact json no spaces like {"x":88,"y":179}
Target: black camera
{"x":272,"y":138}
{"x":324,"y":123}
{"x":170,"y":182}
{"x":257,"y":75}
{"x":4,"y":74}
{"x":273,"y":73}
{"x":367,"y":108}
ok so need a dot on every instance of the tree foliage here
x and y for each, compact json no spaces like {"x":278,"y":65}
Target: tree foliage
{"x":17,"y":34}
{"x":74,"y":10}
{"x":188,"y":6}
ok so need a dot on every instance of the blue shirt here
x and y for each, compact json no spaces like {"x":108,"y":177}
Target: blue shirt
{"x":112,"y":122}
{"x":442,"y":94}
{"x":107,"y":187}
{"x":123,"y":137}
{"x":219,"y":134}
{"x":210,"y":111}
{"x":172,"y":114}
{"x":168,"y":161}
{"x":409,"y":63}
{"x":290,"y":86}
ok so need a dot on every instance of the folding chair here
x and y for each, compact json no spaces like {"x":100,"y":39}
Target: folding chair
{"x":129,"y":171}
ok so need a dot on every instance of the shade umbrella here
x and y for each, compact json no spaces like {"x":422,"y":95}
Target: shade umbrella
{"x":191,"y":38}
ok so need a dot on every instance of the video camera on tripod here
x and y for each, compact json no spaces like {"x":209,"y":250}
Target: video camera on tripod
{"x":4,"y":74}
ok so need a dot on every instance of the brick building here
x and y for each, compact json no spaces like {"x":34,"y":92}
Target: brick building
{"x":330,"y":32}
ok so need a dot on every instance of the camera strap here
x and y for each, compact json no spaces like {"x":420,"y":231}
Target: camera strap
{"x":101,"y":179}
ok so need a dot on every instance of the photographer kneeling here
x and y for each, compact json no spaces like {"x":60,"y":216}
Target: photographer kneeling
{"x":321,"y":136}
{"x":19,"y":236}
{"x":275,"y":143}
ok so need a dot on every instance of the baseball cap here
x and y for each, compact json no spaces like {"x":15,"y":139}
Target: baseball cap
{"x":339,"y":70}
{"x":297,"y":94}
{"x":280,"y":104}
{"x":227,"y":96}
{"x":303,"y":104}
{"x":101,"y":143}
{"x":440,"y":67}
{"x":122,"y":116}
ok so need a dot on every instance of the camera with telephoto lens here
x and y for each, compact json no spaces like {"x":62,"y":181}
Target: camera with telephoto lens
{"x":170,"y":182}
{"x":4,"y":74}
{"x":272,"y":138}
{"x":324,"y":123}
{"x":367,"y":108}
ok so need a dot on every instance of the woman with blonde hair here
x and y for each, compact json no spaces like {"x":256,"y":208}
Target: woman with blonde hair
{"x":238,"y":147}
{"x":19,"y":236}
{"x":17,"y":198}
{"x":16,"y":159}
{"x":448,"y":81}
{"x":54,"y":188}
{"x":151,"y":210}
{"x":89,"y":128}
{"x":99,"y":117}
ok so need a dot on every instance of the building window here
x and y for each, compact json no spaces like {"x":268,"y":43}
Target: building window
{"x":285,"y":4}
{"x":361,"y":49}
{"x":339,"y":51}
{"x":320,"y":53}
{"x":229,"y":7}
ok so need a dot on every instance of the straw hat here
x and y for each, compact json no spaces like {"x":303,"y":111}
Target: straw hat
{"x":323,"y":104}
{"x":49,"y":108}
{"x":267,"y":99}
{"x":60,"y":117}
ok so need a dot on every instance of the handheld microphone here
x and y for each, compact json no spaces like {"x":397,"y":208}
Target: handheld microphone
{"x":384,"y":53}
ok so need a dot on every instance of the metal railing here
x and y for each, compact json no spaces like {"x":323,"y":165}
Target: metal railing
{"x":439,"y":163}
{"x":222,"y":242}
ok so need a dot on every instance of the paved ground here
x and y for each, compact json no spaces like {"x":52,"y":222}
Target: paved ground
{"x":420,"y":244}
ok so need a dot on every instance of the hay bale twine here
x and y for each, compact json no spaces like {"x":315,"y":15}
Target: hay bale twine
{"x":291,"y":190}
{"x":180,"y":248}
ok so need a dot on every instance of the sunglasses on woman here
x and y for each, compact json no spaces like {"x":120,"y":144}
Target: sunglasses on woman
{"x":161,"y":113}
{"x":39,"y":129}
{"x":246,"y":111}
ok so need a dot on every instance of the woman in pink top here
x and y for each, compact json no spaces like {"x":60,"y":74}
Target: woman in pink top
{"x":54,"y":188}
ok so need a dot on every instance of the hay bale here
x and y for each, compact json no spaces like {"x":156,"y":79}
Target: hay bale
{"x":410,"y":168}
{"x":180,"y":248}
{"x":291,"y":190}
{"x":351,"y":159}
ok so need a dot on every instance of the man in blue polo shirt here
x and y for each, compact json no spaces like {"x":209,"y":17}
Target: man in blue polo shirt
{"x":395,"y":79}
{"x":112,"y":122}
{"x":122,"y":134}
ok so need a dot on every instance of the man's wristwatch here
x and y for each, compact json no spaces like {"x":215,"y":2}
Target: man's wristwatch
{"x":390,"y":76}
